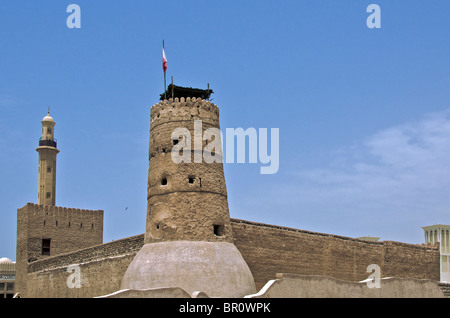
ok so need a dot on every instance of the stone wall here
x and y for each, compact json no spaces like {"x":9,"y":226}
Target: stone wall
{"x":312,"y":286}
{"x":67,"y":230}
{"x":101,"y":267}
{"x":267,"y":249}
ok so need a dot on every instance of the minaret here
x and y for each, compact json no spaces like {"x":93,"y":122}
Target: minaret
{"x":47,"y":162}
{"x":188,"y":238}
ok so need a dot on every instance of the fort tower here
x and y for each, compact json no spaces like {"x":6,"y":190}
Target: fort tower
{"x":188,"y":237}
{"x":45,"y":230}
{"x":47,"y":163}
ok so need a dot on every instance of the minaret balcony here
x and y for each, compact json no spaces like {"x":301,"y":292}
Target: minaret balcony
{"x":47,"y":142}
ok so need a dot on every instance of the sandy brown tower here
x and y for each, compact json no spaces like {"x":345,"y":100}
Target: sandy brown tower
{"x":188,"y":237}
{"x":47,"y":163}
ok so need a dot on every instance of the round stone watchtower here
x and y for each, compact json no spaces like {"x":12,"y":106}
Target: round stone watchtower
{"x":188,"y":238}
{"x":187,"y":196}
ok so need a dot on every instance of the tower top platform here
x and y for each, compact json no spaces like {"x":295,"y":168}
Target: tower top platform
{"x":179,"y":91}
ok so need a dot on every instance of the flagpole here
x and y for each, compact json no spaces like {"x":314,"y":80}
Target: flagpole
{"x":165,"y":97}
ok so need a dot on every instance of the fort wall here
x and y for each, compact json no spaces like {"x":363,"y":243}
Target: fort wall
{"x":270,"y":249}
{"x":267,"y":249}
{"x":63,"y":229}
{"x":101,"y":270}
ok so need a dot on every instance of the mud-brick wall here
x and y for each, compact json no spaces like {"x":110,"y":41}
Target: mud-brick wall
{"x":411,"y":261}
{"x":269,"y":250}
{"x":101,"y":267}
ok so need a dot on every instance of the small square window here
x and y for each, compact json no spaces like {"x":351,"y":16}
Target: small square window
{"x":218,"y":229}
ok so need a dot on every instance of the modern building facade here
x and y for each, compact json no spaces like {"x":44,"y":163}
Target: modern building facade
{"x":439,"y":234}
{"x":7,"y":278}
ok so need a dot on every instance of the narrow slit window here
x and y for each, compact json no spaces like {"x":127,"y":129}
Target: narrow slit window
{"x":46,"y":247}
{"x":164,"y":181}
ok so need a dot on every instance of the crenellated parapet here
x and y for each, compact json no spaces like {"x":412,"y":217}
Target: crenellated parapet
{"x":63,"y":216}
{"x":184,"y":109}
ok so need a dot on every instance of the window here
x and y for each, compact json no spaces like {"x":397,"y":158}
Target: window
{"x":46,"y":247}
{"x":164,"y":181}
{"x":9,"y":286}
{"x":191,"y":179}
{"x":49,"y":195}
{"x":218,"y":229}
{"x":49,"y":131}
{"x":49,"y":169}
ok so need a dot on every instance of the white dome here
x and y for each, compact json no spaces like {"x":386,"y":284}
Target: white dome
{"x":5,"y":260}
{"x":48,"y":118}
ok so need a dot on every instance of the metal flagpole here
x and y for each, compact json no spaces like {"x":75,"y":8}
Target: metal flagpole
{"x":165,"y":97}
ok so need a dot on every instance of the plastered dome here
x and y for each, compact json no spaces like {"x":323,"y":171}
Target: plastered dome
{"x":48,"y":118}
{"x":5,"y":260}
{"x":215,"y":268}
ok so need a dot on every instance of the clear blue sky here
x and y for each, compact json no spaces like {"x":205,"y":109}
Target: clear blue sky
{"x":364,"y":114}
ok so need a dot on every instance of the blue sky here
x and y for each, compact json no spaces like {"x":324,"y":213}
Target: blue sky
{"x":363,"y":114}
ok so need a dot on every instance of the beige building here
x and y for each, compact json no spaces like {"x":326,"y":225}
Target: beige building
{"x":7,"y":278}
{"x":439,"y":234}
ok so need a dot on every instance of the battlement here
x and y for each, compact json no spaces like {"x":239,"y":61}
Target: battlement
{"x":61,"y":212}
{"x":184,"y":109}
{"x":434,"y":245}
{"x":49,"y":230}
